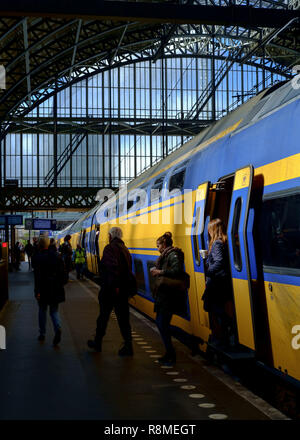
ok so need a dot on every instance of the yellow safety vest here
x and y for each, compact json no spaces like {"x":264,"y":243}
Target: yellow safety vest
{"x":79,"y":257}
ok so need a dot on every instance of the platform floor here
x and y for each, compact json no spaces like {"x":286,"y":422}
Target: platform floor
{"x":40,"y":382}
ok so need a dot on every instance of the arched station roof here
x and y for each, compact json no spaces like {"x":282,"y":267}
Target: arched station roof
{"x":44,"y":50}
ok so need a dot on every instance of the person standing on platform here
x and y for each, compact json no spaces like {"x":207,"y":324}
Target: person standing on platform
{"x":66,"y":252}
{"x":218,"y":296}
{"x":115,"y":275}
{"x":169,"y":295}
{"x":49,"y":279}
{"x":17,"y":252}
{"x":29,"y":251}
{"x":79,"y":258}
{"x":52,"y":245}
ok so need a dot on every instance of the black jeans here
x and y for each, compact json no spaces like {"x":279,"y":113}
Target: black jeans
{"x":79,"y":268}
{"x":163,"y":320}
{"x":109,"y":301}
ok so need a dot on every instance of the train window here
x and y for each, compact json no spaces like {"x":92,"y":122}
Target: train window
{"x":122,"y":207}
{"x":235,"y":235}
{"x":177,"y":180}
{"x":130,"y":204}
{"x":139,"y":274}
{"x":156,"y":189}
{"x":92,"y":241}
{"x":83,"y":239}
{"x":280,"y":234}
{"x":195,"y":235}
{"x":151,"y":264}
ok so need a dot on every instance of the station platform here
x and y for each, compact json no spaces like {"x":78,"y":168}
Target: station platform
{"x":71,"y":382}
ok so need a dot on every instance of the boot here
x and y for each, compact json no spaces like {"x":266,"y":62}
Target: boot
{"x":96,"y":344}
{"x":57,"y":338}
{"x":168,"y":359}
{"x":126,"y":350}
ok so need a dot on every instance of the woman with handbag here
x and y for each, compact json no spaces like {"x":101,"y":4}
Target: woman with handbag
{"x":218,"y":292}
{"x":170,"y":287}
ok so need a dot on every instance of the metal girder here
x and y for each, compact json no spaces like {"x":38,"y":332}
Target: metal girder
{"x":64,"y":158}
{"x":30,"y":199}
{"x":48,"y":90}
{"x":27,"y":62}
{"x":96,"y":125}
{"x":159,"y":12}
{"x":64,"y":51}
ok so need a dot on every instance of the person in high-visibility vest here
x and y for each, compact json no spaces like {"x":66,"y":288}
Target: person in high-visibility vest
{"x":79,"y":261}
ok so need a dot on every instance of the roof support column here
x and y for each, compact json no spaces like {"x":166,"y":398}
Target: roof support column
{"x":55,"y":136}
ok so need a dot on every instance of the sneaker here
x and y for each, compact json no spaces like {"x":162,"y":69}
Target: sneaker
{"x":96,"y":345}
{"x":126,"y":350}
{"x":57,"y":338}
{"x":41,"y":338}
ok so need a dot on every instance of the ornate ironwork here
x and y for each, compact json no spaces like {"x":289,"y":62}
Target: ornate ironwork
{"x":32,"y":199}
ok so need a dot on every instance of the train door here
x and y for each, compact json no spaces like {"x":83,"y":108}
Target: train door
{"x":197,"y":244}
{"x":97,"y":249}
{"x":239,"y":256}
{"x":279,"y":237}
{"x":93,"y":250}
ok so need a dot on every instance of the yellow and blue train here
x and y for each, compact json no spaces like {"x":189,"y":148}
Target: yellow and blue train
{"x":244,"y":169}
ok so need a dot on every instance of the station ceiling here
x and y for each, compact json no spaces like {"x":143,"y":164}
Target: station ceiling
{"x":46,"y":46}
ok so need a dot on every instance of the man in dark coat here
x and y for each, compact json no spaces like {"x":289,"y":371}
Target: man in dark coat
{"x":49,"y":278}
{"x":66,"y":253}
{"x":115,"y":270}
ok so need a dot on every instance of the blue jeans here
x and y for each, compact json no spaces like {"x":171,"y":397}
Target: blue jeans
{"x":163,"y":320}
{"x":43,"y":317}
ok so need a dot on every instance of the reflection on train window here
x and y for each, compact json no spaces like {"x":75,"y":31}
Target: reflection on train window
{"x":280,"y":232}
{"x":195,"y":235}
{"x":235,"y":235}
{"x":155,"y":192}
{"x":92,"y":241}
{"x":158,"y":184}
{"x":177,"y":180}
{"x":151,"y":264}
{"x":130,"y":204}
{"x":83,"y":239}
{"x":139,"y":274}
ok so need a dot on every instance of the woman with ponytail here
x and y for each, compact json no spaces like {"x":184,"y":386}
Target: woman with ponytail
{"x":168,"y":300}
{"x":218,"y":290}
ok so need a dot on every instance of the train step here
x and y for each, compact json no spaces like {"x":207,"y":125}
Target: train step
{"x":233,"y":353}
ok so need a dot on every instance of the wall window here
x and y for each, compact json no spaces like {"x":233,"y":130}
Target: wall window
{"x":280,"y":233}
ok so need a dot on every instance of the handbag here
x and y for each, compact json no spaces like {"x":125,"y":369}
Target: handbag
{"x":179,"y":284}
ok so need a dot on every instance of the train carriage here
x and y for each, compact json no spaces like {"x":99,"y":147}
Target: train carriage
{"x":244,"y":169}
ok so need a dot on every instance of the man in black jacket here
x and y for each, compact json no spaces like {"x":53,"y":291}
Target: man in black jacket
{"x":49,"y":279}
{"x":115,"y":270}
